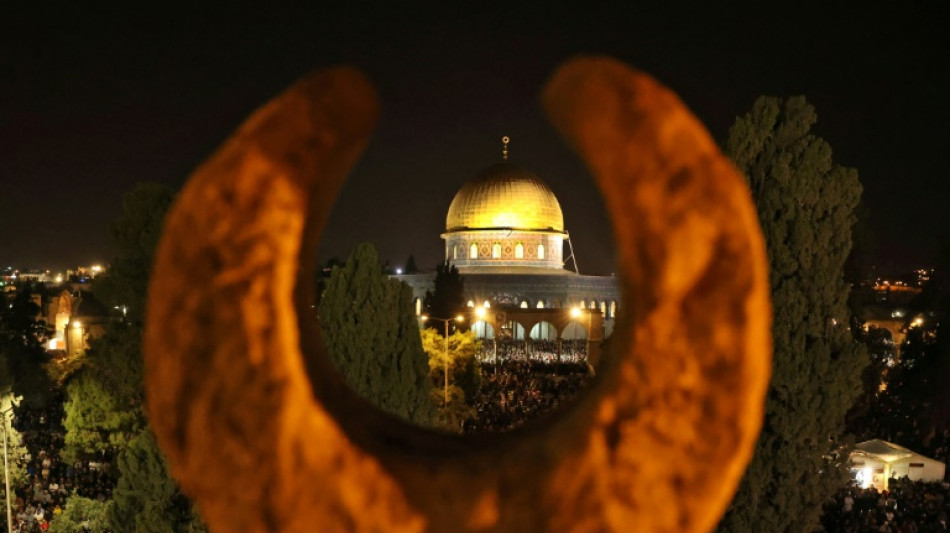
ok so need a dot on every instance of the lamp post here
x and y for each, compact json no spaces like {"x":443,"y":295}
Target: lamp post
{"x":6,"y":469}
{"x":445,"y":356}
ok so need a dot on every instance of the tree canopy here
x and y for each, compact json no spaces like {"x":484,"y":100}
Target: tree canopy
{"x":447,"y":299}
{"x":806,"y":204}
{"x":105,"y":397}
{"x":370,"y":331}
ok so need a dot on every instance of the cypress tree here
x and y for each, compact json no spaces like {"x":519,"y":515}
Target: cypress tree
{"x":371,"y":333}
{"x":146,"y":499}
{"x":448,"y":297}
{"x":806,"y":206}
{"x":104,"y":408}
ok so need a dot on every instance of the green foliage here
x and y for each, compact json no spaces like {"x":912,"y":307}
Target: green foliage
{"x":105,"y":404}
{"x":135,"y":234}
{"x":81,"y":515}
{"x":146,"y":499}
{"x":22,"y":356}
{"x":16,"y":450}
{"x":873,"y":414}
{"x":448,"y":297}
{"x":916,"y":402}
{"x":464,"y":374}
{"x":371,"y":333}
{"x":105,"y":401}
{"x":806,"y":206}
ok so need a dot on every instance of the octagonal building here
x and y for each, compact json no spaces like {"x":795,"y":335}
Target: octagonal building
{"x":505,"y":232}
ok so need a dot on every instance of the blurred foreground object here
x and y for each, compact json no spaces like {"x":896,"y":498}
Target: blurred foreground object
{"x":260,"y":430}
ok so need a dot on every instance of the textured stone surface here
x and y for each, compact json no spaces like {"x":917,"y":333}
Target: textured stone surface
{"x":658,"y":443}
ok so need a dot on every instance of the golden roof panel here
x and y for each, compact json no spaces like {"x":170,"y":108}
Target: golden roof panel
{"x":505,"y":196}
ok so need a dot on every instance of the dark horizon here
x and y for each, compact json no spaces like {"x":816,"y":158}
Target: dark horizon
{"x":98,"y":102}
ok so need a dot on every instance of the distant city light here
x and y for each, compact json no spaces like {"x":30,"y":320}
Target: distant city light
{"x":398,"y":271}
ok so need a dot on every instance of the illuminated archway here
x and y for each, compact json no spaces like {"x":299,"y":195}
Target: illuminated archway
{"x":543,"y":331}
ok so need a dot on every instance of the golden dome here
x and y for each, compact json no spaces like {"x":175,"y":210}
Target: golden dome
{"x":505,"y":196}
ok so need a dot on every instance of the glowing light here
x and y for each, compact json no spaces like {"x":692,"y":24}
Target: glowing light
{"x":77,"y":325}
{"x":480,"y":312}
{"x":575,"y":312}
{"x":398,"y":271}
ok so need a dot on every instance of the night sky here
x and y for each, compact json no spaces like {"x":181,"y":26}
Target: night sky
{"x":93,"y":102}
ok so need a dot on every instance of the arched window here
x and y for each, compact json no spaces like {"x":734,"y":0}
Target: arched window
{"x":519,"y":251}
{"x":455,"y":252}
{"x":524,"y":304}
{"x":418,"y":306}
{"x":495,"y":251}
{"x":603,"y":309}
{"x":593,"y":304}
{"x":471,"y":303}
{"x":540,"y":251}
{"x":540,"y":304}
{"x":613,"y":309}
{"x":487,"y":304}
{"x":473,"y":251}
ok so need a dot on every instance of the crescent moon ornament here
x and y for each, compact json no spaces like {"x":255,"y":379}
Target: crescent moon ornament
{"x":240,"y":388}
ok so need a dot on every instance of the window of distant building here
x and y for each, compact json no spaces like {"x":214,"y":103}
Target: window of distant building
{"x":473,"y":251}
{"x":540,"y":304}
{"x":496,"y":251}
{"x":524,"y":305}
{"x":519,"y":251}
{"x":540,"y":251}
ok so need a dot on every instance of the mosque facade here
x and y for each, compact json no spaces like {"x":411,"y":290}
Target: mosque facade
{"x":505,"y":233}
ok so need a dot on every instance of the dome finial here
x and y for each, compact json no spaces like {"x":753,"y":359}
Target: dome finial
{"x":504,"y":148}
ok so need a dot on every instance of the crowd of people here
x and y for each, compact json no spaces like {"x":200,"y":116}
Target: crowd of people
{"x":515,"y":391}
{"x":508,"y":349}
{"x":49,"y":479}
{"x":906,"y":507}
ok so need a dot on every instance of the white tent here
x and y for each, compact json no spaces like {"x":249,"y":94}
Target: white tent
{"x":875,"y":461}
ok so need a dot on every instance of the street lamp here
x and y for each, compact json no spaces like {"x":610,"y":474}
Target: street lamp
{"x":6,"y":468}
{"x":445,"y":357}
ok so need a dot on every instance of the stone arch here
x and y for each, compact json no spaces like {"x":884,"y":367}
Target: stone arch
{"x":574,"y":329}
{"x":543,"y":331}
{"x":214,"y":342}
{"x":514,"y":330}
{"x":483,"y":329}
